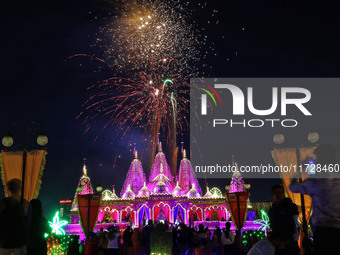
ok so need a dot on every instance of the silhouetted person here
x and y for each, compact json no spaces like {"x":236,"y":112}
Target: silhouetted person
{"x":102,"y":238}
{"x":114,"y":238}
{"x":283,"y":217}
{"x":147,"y":230}
{"x":127,"y":241}
{"x":183,"y":239}
{"x":138,"y":248}
{"x":283,"y":212}
{"x":325,"y":193}
{"x":238,"y":248}
{"x":216,"y":242}
{"x":13,"y":221}
{"x":37,"y":244}
{"x":202,"y":233}
{"x":228,"y":238}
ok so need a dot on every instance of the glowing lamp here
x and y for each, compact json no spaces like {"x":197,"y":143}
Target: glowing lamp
{"x":313,"y":137}
{"x":7,"y":141}
{"x":99,"y":188}
{"x":279,"y":138}
{"x":42,"y":140}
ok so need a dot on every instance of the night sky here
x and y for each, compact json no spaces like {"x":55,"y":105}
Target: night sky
{"x":40,"y":82}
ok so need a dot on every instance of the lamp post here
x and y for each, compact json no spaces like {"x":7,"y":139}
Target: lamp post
{"x":313,"y":137}
{"x":25,"y":132}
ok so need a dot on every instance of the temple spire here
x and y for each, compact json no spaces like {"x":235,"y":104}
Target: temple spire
{"x":135,"y":176}
{"x":160,"y":147}
{"x":186,"y":175}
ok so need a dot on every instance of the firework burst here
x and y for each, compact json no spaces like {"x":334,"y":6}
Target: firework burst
{"x":146,"y":32}
{"x":153,"y":101}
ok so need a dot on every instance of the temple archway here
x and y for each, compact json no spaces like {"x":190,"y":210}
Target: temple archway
{"x":161,"y":212}
{"x":128,"y":215}
{"x":216,"y":213}
{"x":143,"y":215}
{"x":179,"y":214}
{"x":103,"y":213}
{"x":195,"y":214}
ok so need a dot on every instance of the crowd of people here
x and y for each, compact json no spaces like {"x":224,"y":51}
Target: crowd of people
{"x":22,"y":226}
{"x":185,"y":240}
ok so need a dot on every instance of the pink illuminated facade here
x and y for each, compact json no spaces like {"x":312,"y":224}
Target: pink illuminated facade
{"x":163,"y":198}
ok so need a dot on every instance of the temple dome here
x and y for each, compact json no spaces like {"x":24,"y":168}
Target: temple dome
{"x":161,"y":188}
{"x":114,"y":195}
{"x":128,"y":194}
{"x":177,"y":192}
{"x":144,"y":192}
{"x":208,"y":194}
{"x":109,"y":195}
{"x":193,"y":193}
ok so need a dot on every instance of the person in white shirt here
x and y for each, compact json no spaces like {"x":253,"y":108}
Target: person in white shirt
{"x":113,"y":241}
{"x":228,"y":238}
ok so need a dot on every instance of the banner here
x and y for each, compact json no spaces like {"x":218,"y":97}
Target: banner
{"x":88,"y":208}
{"x":12,"y":165}
{"x":237,"y":203}
{"x":287,"y":157}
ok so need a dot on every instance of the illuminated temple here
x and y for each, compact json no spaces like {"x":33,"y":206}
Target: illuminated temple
{"x":162,"y":197}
